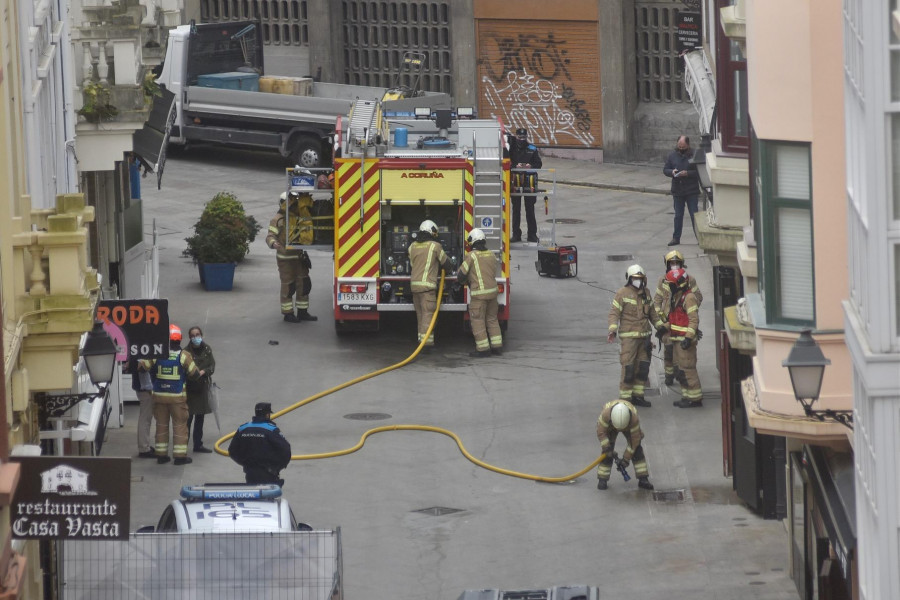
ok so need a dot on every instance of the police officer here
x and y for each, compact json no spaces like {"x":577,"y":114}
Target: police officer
{"x":170,"y":398}
{"x":618,"y":417}
{"x":292,"y":225}
{"x":630,"y":317}
{"x":260,"y":449}
{"x":682,"y":314}
{"x":524,"y":155}
{"x":426,"y":257}
{"x":673,"y":260}
{"x":479,"y":272}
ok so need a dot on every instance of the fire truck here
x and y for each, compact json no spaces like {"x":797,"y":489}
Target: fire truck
{"x":394,"y":169}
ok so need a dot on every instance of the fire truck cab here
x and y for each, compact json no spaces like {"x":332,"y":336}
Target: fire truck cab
{"x":392,"y":171}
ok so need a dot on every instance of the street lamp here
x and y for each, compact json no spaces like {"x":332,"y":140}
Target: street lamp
{"x":806,"y":363}
{"x":99,"y":354}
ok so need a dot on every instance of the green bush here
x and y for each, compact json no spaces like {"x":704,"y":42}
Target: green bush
{"x":223,"y":233}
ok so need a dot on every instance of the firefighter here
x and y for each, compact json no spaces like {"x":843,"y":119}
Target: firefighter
{"x":673,"y":260}
{"x":620,"y":416}
{"x":683,"y":317}
{"x":260,"y":448}
{"x":479,"y":272}
{"x":630,"y":317}
{"x":170,"y":398}
{"x":524,"y":155}
{"x":293,"y":263}
{"x":426,"y":257}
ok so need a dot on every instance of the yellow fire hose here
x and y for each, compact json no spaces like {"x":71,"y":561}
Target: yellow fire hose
{"x":430,"y":428}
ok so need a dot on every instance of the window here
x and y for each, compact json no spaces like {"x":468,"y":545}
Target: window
{"x":731,"y":90}
{"x":783,"y":195}
{"x":897,"y":288}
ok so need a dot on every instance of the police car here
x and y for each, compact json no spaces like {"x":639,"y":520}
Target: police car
{"x":228,"y":508}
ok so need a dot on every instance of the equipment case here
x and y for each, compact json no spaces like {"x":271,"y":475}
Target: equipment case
{"x":559,"y":261}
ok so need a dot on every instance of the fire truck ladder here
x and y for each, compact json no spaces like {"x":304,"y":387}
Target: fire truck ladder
{"x":487,"y":191}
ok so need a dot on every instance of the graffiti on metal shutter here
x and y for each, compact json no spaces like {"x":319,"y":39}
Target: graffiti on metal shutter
{"x":545,"y":81}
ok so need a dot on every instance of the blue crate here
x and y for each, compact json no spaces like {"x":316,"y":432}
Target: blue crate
{"x":248,"y":82}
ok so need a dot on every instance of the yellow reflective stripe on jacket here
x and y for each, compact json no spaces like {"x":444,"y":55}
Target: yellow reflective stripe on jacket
{"x":634,"y":334}
{"x":483,"y":288}
{"x":629,"y":301}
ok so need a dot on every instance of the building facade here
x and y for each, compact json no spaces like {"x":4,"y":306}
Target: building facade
{"x":590,"y":79}
{"x":871,"y":33}
{"x":776,"y":230}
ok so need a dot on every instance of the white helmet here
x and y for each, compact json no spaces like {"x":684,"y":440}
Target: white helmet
{"x":428,"y":226}
{"x":283,"y":196}
{"x":476,"y":235}
{"x":620,"y":416}
{"x":635,"y":271}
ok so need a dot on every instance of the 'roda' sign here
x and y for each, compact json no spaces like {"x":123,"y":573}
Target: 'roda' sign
{"x":139,"y":328}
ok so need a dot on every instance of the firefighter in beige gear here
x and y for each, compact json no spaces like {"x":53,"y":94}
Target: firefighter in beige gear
{"x":630,"y":317}
{"x":291,"y":227}
{"x":426,"y":258}
{"x":479,"y":272}
{"x":170,"y":397}
{"x":673,"y":260}
{"x":683,"y":317}
{"x":620,"y":416}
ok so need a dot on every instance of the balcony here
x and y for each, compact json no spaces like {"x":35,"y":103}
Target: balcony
{"x":56,"y":291}
{"x":114,"y":101}
{"x":768,"y":394}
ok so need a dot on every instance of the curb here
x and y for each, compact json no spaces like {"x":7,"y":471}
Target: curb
{"x":615,"y":186}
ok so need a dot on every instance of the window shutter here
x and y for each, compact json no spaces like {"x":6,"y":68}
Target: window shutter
{"x":795,"y":280}
{"x":792,"y":172}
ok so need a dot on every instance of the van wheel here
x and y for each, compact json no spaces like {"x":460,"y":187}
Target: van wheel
{"x":307,"y":153}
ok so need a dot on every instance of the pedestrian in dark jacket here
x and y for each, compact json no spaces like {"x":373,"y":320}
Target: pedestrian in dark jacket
{"x":260,"y":449}
{"x":685,"y":185}
{"x":198,"y":390}
{"x":523,"y":155}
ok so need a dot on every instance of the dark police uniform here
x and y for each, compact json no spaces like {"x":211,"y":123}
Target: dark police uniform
{"x":259,"y":447}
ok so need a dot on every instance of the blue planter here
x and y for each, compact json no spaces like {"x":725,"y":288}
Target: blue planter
{"x":217,"y":277}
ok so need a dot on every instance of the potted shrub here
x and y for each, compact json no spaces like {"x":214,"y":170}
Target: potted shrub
{"x":221,"y":239}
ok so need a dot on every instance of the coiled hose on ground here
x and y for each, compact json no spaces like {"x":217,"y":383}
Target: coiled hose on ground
{"x":441,"y":430}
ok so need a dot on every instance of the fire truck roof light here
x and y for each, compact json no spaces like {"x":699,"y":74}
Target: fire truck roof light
{"x":465,"y":111}
{"x":423,"y":111}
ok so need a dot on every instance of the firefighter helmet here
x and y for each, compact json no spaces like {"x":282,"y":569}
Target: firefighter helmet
{"x":674,"y":255}
{"x":620,"y":416}
{"x":677,"y":276}
{"x":634,"y":271}
{"x":476,"y":235}
{"x":174,"y":333}
{"x":429,"y":227}
{"x":263,"y":409}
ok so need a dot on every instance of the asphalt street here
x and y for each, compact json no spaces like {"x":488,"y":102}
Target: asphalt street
{"x":532,"y":410}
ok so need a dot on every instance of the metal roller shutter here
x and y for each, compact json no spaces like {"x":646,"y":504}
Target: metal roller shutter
{"x":543,"y":75}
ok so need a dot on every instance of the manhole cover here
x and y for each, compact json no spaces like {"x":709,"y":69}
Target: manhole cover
{"x":367,"y":416}
{"x":619,"y":257}
{"x":566,"y":221}
{"x":669,"y":495}
{"x":437,"y":511}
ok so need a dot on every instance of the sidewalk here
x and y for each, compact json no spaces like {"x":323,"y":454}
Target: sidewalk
{"x":630,"y":177}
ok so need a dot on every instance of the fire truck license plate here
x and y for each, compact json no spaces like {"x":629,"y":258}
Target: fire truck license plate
{"x":356,"y":297}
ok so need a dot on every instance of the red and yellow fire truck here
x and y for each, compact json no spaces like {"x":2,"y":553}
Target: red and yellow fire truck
{"x":392,"y":171}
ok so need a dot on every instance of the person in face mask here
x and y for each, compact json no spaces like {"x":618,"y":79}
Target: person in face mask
{"x":685,"y":185}
{"x":198,"y":391}
{"x":630,"y":317}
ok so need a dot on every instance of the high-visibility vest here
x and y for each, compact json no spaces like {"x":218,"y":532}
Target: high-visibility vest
{"x":169,"y":375}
